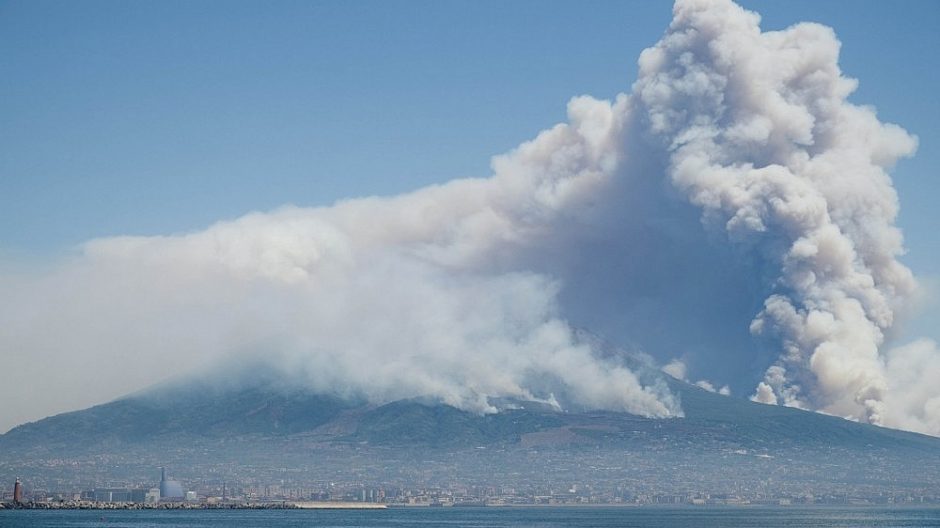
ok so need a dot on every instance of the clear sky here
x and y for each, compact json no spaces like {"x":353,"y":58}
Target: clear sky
{"x":139,"y":117}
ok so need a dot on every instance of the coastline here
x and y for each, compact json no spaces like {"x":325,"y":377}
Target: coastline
{"x":329,"y":505}
{"x":94,"y":505}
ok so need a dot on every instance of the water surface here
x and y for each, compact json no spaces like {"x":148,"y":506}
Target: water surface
{"x":653,"y":517}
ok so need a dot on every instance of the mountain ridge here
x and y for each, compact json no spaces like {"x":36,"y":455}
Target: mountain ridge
{"x":212,"y":433}
{"x":199,"y":411}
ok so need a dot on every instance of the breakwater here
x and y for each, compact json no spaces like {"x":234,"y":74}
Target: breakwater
{"x":94,"y":505}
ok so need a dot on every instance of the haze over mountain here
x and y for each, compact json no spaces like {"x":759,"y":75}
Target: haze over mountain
{"x":262,"y":410}
{"x":211,"y":430}
{"x":732,"y":207}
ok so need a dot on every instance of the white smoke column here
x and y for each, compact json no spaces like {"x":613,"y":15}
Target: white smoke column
{"x":383,"y":298}
{"x":761,"y":137}
{"x":913,"y":399}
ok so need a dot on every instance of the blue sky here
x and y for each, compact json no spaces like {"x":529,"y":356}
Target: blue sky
{"x":163,"y":117}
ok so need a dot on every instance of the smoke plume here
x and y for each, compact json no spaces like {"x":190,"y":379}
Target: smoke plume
{"x":733,"y":209}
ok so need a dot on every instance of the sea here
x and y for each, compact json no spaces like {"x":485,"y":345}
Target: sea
{"x":541,"y":517}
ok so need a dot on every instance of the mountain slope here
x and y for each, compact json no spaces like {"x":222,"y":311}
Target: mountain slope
{"x":199,"y":411}
{"x":212,"y":433}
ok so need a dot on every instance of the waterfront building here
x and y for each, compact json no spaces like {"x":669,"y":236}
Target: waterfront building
{"x":152,"y":496}
{"x":170,"y":490}
{"x":138,"y":495}
{"x":111,"y":495}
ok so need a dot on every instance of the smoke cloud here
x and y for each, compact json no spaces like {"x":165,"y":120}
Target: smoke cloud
{"x":733,"y":209}
{"x":678,"y":369}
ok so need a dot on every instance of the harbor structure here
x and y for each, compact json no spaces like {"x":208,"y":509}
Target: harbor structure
{"x":17,"y":492}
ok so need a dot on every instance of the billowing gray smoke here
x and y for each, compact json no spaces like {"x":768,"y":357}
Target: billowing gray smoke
{"x":734,"y":209}
{"x":761,"y":138}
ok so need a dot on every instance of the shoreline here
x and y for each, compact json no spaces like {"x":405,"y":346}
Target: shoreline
{"x":314,"y":505}
{"x":93,"y":505}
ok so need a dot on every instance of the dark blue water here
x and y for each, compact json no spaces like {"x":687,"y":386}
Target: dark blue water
{"x":687,"y":517}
